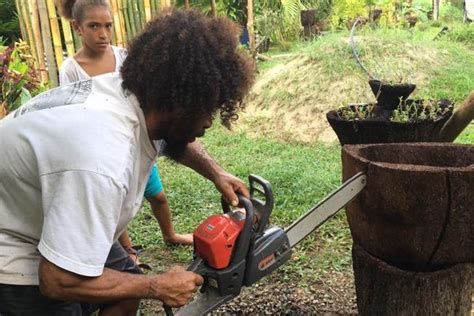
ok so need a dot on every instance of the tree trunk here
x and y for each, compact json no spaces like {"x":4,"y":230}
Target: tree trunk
{"x":213,"y":8}
{"x":186,"y":4}
{"x":435,"y":4}
{"x":386,"y":290}
{"x":458,"y":121}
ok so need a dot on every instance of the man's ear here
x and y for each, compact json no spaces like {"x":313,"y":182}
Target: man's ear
{"x":76,"y":27}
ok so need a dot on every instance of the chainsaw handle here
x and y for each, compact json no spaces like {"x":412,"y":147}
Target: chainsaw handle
{"x":262,"y":208}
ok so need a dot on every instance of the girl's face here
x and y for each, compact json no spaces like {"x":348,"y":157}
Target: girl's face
{"x":95,"y":29}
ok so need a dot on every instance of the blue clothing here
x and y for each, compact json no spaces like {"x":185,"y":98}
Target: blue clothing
{"x":153,"y":186}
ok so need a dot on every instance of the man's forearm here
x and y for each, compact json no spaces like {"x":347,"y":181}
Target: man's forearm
{"x":110,"y":286}
{"x":197,"y":158}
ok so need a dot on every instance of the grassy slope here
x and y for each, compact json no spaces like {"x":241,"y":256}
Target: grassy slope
{"x":301,"y":174}
{"x":293,"y":94}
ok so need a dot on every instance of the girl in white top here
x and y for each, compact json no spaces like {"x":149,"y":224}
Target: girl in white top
{"x":92,"y":21}
{"x":72,"y":71}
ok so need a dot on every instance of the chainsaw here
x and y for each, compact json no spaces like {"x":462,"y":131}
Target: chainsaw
{"x":240,"y":246}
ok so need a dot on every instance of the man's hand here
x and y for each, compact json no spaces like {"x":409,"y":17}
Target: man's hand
{"x":175,"y":287}
{"x":228,"y":184}
{"x":196,"y":158}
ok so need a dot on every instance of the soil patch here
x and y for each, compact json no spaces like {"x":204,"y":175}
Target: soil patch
{"x":333,"y":294}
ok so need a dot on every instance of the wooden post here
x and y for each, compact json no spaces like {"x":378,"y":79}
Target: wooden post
{"x":213,"y":8}
{"x":35,"y":22}
{"x":56,"y":34}
{"x":47,"y":42}
{"x":250,"y":28}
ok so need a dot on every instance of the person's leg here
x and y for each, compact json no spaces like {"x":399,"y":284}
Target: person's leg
{"x":27,"y":300}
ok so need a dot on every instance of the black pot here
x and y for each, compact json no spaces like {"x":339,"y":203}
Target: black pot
{"x":378,"y":130}
{"x":388,"y":95}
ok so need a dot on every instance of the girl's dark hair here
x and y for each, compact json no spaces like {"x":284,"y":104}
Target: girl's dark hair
{"x":74,"y":9}
{"x":186,"y":61}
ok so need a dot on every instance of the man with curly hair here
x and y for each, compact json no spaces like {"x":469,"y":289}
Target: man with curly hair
{"x":78,"y":157}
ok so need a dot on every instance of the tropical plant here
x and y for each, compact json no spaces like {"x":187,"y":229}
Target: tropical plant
{"x":19,"y":79}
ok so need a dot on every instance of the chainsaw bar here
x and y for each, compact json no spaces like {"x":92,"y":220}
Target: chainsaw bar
{"x":204,"y":303}
{"x":325,"y":209}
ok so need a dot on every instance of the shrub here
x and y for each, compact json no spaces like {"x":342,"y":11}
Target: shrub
{"x":19,"y":79}
{"x":462,"y":34}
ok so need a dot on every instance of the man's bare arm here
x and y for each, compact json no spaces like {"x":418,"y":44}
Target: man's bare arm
{"x":197,"y":158}
{"x":174,"y":287}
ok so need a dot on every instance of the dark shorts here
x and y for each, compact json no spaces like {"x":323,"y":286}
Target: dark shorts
{"x":27,"y":300}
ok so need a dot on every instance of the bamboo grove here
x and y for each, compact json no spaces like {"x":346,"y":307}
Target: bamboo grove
{"x":52,"y":39}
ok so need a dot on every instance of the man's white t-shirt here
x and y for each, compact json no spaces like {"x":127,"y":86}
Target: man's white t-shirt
{"x":71,"y":71}
{"x":73,"y":169}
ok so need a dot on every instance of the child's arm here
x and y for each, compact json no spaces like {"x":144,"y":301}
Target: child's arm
{"x":161,"y":211}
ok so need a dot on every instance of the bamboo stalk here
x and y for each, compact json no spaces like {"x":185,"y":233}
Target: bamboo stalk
{"x":24,"y":36}
{"x":141,"y":8}
{"x":165,"y":4}
{"x":77,"y":41}
{"x":147,"y":5}
{"x":157,"y":6}
{"x":55,"y":33}
{"x":213,"y":8}
{"x":68,"y":38}
{"x":122,"y":22}
{"x":35,"y":22}
{"x":24,"y":16}
{"x":131,"y":18}
{"x":118,"y":31}
{"x":47,"y":41}
{"x":154,"y":8}
{"x":137,"y":15}
{"x":128,"y":27}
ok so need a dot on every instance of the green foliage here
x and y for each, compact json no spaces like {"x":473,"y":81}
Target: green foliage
{"x":19,"y":80}
{"x":344,"y":11}
{"x":462,"y":33}
{"x":450,"y":13}
{"x":9,"y":27}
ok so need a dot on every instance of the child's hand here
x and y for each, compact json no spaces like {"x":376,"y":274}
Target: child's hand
{"x":179,"y":239}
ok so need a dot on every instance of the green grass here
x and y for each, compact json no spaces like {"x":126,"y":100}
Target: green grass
{"x":300,"y":176}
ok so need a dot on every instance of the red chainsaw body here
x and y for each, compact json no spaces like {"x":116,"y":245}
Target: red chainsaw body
{"x":214,"y":239}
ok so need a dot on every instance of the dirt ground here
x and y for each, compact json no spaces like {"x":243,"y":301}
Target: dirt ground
{"x":333,"y":294}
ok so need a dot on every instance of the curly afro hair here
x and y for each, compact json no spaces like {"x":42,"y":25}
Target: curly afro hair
{"x":186,"y":61}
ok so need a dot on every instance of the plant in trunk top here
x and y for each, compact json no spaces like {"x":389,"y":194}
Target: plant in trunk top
{"x":19,"y":79}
